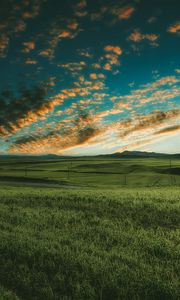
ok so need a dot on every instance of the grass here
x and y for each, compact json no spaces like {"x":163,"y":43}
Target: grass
{"x":112,"y":172}
{"x":90,"y":243}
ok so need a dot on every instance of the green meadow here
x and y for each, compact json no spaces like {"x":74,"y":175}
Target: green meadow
{"x":112,"y":233}
{"x":93,"y":172}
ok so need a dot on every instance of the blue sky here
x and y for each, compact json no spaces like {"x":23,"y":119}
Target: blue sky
{"x":89,"y":77}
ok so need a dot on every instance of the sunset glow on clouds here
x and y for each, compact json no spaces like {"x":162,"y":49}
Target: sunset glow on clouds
{"x":89,"y":78}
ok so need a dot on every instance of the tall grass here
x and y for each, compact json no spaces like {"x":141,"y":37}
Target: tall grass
{"x":85,"y":244}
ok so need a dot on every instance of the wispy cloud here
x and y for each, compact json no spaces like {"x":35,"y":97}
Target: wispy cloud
{"x":32,"y":10}
{"x":84,"y":132}
{"x":114,"y":49}
{"x":20,"y":111}
{"x":163,"y":89}
{"x":14,"y":21}
{"x":31,"y":62}
{"x":137,"y":37}
{"x":123,"y":13}
{"x":174,"y":28}
{"x":28,"y":46}
{"x":80,"y":9}
{"x":4,"y":42}
{"x":112,"y":56}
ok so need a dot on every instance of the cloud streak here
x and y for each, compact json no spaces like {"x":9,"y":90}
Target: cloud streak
{"x":20,"y":111}
{"x":175,"y":28}
{"x":85,"y":131}
{"x":138,"y":37}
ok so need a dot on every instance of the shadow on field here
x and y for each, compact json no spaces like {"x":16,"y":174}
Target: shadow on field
{"x":172,"y":171}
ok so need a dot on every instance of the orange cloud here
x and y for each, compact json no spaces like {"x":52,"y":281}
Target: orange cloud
{"x":137,"y":37}
{"x":65,"y":34}
{"x":33,"y":12}
{"x":107,"y":113}
{"x":96,"y":76}
{"x":28,"y":46}
{"x":46,"y":53}
{"x":4,"y":42}
{"x":31,"y":62}
{"x":151,"y":37}
{"x":81,"y":4}
{"x":126,"y":12}
{"x":175,"y":28}
{"x":169,"y":129}
{"x":153,"y":92}
{"x":112,"y":59}
{"x":73,"y":25}
{"x":93,"y":76}
{"x":73,"y":66}
{"x":123,"y":13}
{"x":78,"y":132}
{"x":111,"y":56}
{"x":81,"y":13}
{"x":79,"y":9}
{"x":86,"y":131}
{"x":29,"y":107}
{"x":107,"y":67}
{"x":96,"y":66}
{"x":115,"y":49}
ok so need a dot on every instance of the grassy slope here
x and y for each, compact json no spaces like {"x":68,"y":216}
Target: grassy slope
{"x":117,"y":244}
{"x":140,"y":171}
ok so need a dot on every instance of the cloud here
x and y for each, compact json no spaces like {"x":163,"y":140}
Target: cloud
{"x":112,"y":56}
{"x":93,"y":76}
{"x":31,"y":62}
{"x":32,"y":11}
{"x":81,"y":4}
{"x":73,"y":25}
{"x":20,"y":26}
{"x":81,"y":131}
{"x":107,"y":67}
{"x":4,"y":42}
{"x":114,"y":49}
{"x":28,"y":46}
{"x":57,"y":32}
{"x":107,"y":113}
{"x":14,"y":18}
{"x":79,"y":9}
{"x":169,"y":129}
{"x":46,"y":53}
{"x":137,"y":37}
{"x":163,"y":89}
{"x":152,"y":122}
{"x":152,"y":20}
{"x":123,"y":13}
{"x":85,"y":52}
{"x":73,"y":66}
{"x":28,"y":107}
{"x":86,"y":131}
{"x":65,"y":34}
{"x":175,"y":28}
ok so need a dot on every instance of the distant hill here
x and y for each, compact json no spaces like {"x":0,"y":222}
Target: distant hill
{"x":138,"y":153}
{"x":125,"y":154}
{"x":142,"y":154}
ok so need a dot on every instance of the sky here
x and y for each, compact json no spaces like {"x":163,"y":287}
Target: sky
{"x":85,"y":77}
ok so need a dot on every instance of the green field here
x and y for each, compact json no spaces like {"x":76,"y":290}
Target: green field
{"x":112,"y":233}
{"x":112,"y":172}
{"x":89,"y":244}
